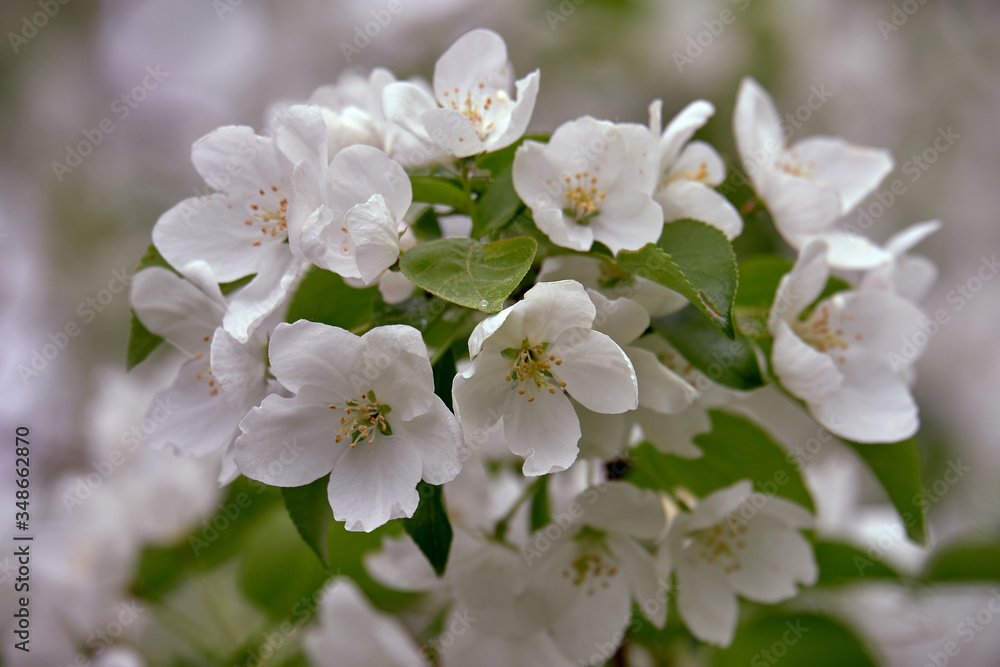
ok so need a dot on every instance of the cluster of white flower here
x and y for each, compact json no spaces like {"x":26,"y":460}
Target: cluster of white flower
{"x":569,"y":375}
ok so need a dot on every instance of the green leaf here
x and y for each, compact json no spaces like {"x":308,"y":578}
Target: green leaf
{"x":843,"y":564}
{"x":228,"y":288}
{"x":444,"y":376}
{"x":968,"y":562}
{"x":324,"y":297}
{"x":731,"y":363}
{"x":897,"y":467}
{"x":496,"y":207}
{"x":759,"y":278}
{"x":794,"y":639}
{"x":734,"y":449}
{"x":429,"y":527}
{"x":694,"y":259}
{"x":141,"y":343}
{"x":426,"y":227}
{"x":152,"y":257}
{"x":435,"y":190}
{"x":309,"y":508}
{"x":278,"y":569}
{"x":540,"y":505}
{"x":469,"y":273}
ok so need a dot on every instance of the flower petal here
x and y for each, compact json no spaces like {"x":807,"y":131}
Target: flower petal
{"x":453,"y":132}
{"x":373,"y":484}
{"x":705,"y":601}
{"x":690,"y":199}
{"x":623,"y":320}
{"x":544,"y":431}
{"x":597,"y":372}
{"x":853,"y":171}
{"x":479,"y":392}
{"x":239,"y":368}
{"x":660,"y":389}
{"x":358,"y":172}
{"x":852,"y":252}
{"x":757,"y":130}
{"x":802,"y":285}
{"x":171,"y":307}
{"x":649,"y":593}
{"x":436,"y":436}
{"x":602,"y":436}
{"x":681,"y":128}
{"x":477,"y":57}
{"x":803,"y":370}
{"x":309,"y":354}
{"x":520,"y":113}
{"x":288,"y":441}
{"x":235,"y":160}
{"x":624,"y":509}
{"x":372,"y":227}
{"x":278,"y":275}
{"x":628,"y":221}
{"x":774,"y":559}
{"x":700,"y":162}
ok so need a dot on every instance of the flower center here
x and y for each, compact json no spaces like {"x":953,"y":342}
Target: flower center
{"x":700,"y":174}
{"x":797,"y":167}
{"x":206,"y":374}
{"x":474,"y":107}
{"x":532,"y":370}
{"x":364,"y":418}
{"x":583,"y":197}
{"x":270,"y":213}
{"x":722,"y":544}
{"x":591,"y":568}
{"x":817,"y":332}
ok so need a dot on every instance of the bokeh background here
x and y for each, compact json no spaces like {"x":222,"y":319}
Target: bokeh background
{"x":140,"y":80}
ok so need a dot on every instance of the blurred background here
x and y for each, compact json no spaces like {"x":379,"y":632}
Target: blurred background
{"x":101,"y":101}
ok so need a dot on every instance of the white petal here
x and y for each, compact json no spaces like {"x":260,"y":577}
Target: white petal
{"x":597,"y":620}
{"x":690,"y":199}
{"x":641,"y":170}
{"x":700,"y":162}
{"x":714,"y":507}
{"x":239,"y":368}
{"x":626,"y":510}
{"x":395,"y":364}
{"x":288,"y":441}
{"x":628,"y":221}
{"x":623,"y":320}
{"x":705,"y":602}
{"x":278,"y":275}
{"x":681,"y":128}
{"x":300,"y":133}
{"x":544,"y":431}
{"x":453,"y":132}
{"x":190,"y":418}
{"x":588,"y":144}
{"x":660,"y":389}
{"x":520,"y":113}
{"x":312,"y":354}
{"x":852,"y":252}
{"x":536,"y":177}
{"x":358,"y":172}
{"x":800,"y":208}
{"x":853,"y":171}
{"x":674,"y":434}
{"x":561,"y":305}
{"x":907,"y":239}
{"x":597,"y":372}
{"x":372,"y":227}
{"x":394,"y":287}
{"x":649,"y":592}
{"x":876,"y":322}
{"x":802,"y":369}
{"x":235,"y":160}
{"x":212,"y":229}
{"x":562,"y":230}
{"x":171,"y":307}
{"x":485,"y":650}
{"x":757,"y":130}
{"x":373,"y":484}
{"x":802,"y":285}
{"x":404,"y":103}
{"x":478,"y":56}
{"x":345,"y":615}
{"x":479,"y":392}
{"x":436,"y":436}
{"x":873,"y":405}
{"x":774,"y":559}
